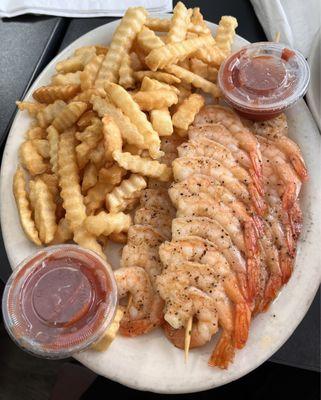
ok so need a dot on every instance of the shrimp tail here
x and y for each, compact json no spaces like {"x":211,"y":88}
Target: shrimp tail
{"x":257,"y":182}
{"x":253,"y":276}
{"x":259,"y":225}
{"x":133,"y":328}
{"x":271,"y":290}
{"x":289,"y":196}
{"x":250,"y":238}
{"x":295,"y":220}
{"x":300,"y":167}
{"x":256,"y":159}
{"x":243,"y":285}
{"x":258,"y":200}
{"x":224,"y":351}
{"x":286,"y":265}
{"x":242,"y":324}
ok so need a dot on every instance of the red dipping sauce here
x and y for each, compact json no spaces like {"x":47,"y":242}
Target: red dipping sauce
{"x":59,"y":301}
{"x":263,"y":79}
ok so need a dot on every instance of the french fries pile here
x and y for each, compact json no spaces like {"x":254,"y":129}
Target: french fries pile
{"x":96,"y":129}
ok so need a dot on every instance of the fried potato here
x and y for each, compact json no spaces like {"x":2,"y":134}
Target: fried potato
{"x":88,"y":241}
{"x":23,"y":205}
{"x":161,"y":121}
{"x":126,"y":73}
{"x":63,"y":233}
{"x":76,"y":62}
{"x":160,"y":76}
{"x":225,"y":33}
{"x":69,"y":115}
{"x":149,"y":100}
{"x":186,"y":112}
{"x":97,"y":155}
{"x":211,"y":54}
{"x":44,"y":208}
{"x":199,"y":67}
{"x":128,"y":130}
{"x":53,"y":141}
{"x":131,"y":148}
{"x":90,"y":177}
{"x":124,"y":101}
{"x":111,"y":174}
{"x":90,"y":72}
{"x":87,"y":94}
{"x":198,"y":25}
{"x":195,"y":80}
{"x":105,"y":223}
{"x":96,"y":196}
{"x":174,"y":52}
{"x":112,"y":137}
{"x":178,"y":24}
{"x":49,"y":113}
{"x":36,"y":133}
{"x":122,"y":195}
{"x":31,"y":159}
{"x":143,"y":166}
{"x":157,"y":24}
{"x":153,"y":84}
{"x":120,"y":237}
{"x":148,"y":41}
{"x":87,"y":119}
{"x":110,"y":334}
{"x":89,"y":138}
{"x":32,"y":108}
{"x":42,"y":147}
{"x":49,"y":94}
{"x":52,"y":183}
{"x":135,"y":62}
{"x":72,"y":78}
{"x":101,"y":50}
{"x":122,"y":40}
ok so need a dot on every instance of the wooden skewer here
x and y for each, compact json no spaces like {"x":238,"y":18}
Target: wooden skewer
{"x":130,"y":300}
{"x":277,"y":37}
{"x":188,"y":333}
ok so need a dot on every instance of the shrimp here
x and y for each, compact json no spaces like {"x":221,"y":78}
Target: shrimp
{"x":226,"y":117}
{"x":145,"y":310}
{"x":275,"y":130}
{"x":155,"y":218}
{"x":208,"y":148}
{"x":219,"y":134}
{"x":274,"y":157}
{"x":157,"y":199}
{"x":183,"y":167}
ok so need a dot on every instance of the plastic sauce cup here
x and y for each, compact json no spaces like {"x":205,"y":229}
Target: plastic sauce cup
{"x":263,"y":79}
{"x":59,"y":301}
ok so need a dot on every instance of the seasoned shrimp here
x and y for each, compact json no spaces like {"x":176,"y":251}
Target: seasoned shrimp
{"x":283,"y":170}
{"x":157,"y":219}
{"x":275,"y":130}
{"x":145,"y":310}
{"x":226,"y":117}
{"x":157,"y":199}
{"x":183,"y":167}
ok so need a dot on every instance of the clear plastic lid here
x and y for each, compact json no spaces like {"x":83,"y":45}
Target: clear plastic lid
{"x":59,"y":301}
{"x":264,"y":77}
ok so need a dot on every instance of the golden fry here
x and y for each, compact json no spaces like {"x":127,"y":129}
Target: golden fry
{"x":63,"y":233}
{"x":72,"y":78}
{"x":110,"y":334}
{"x":86,"y":119}
{"x":126,"y":73}
{"x":87,"y":94}
{"x":122,"y":40}
{"x":44,"y":208}
{"x":31,"y":159}
{"x":52,"y":183}
{"x":89,"y":138}
{"x":179,"y":24}
{"x":112,"y":137}
{"x":23,"y":205}
{"x":89,"y":74}
{"x":49,"y":94}
{"x":225,"y":33}
{"x":97,"y":155}
{"x":124,"y":101}
{"x":42,"y":147}
{"x":32,"y":108}
{"x":135,"y":62}
{"x":157,"y":24}
{"x":111,"y":174}
{"x":195,"y":80}
{"x":143,"y":166}
{"x":131,"y":148}
{"x":149,"y":100}
{"x":211,"y":54}
{"x":162,"y":122}
{"x":160,"y":76}
{"x":148,"y":41}
{"x":49,"y":113}
{"x":105,"y":223}
{"x":36,"y":133}
{"x":118,"y":199}
{"x":96,"y":196}
{"x":174,"y":52}
{"x":89,"y":178}
{"x":53,"y":139}
{"x":69,"y":115}
{"x":186,"y":112}
{"x":128,"y":130}
{"x":198,"y":25}
{"x":76,"y":62}
{"x":153,"y":84}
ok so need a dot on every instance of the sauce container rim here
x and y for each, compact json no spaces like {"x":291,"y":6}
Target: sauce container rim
{"x":30,"y":345}
{"x":300,"y":90}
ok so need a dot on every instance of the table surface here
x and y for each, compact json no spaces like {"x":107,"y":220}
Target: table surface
{"x":28,"y":43}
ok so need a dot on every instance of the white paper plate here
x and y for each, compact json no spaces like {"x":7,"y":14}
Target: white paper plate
{"x":150,"y":362}
{"x":314,"y":91}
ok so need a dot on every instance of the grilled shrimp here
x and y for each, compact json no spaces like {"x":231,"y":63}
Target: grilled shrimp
{"x":157,"y":219}
{"x":276,"y":130}
{"x":283,"y":170}
{"x":157,"y":199}
{"x":183,"y":167}
{"x":246,"y":139}
{"x":145,"y":310}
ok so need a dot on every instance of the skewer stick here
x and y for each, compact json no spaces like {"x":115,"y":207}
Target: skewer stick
{"x":277,"y":37}
{"x":188,"y":333}
{"x":130,"y":300}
